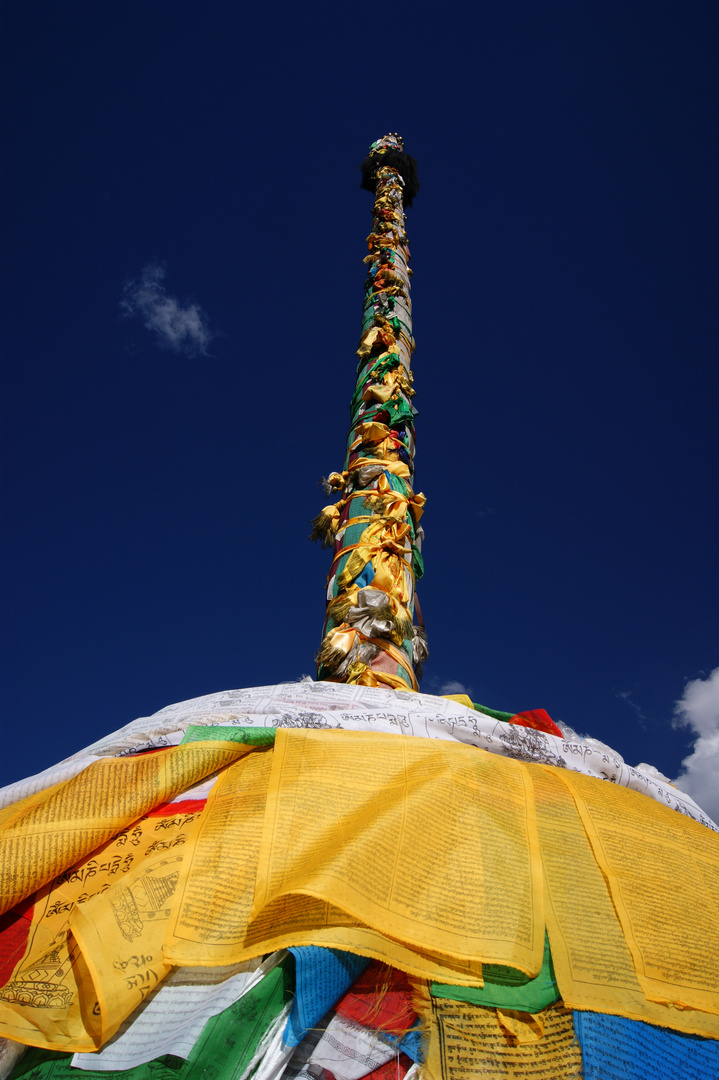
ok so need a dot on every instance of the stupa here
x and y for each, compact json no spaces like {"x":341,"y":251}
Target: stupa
{"x":347,"y":878}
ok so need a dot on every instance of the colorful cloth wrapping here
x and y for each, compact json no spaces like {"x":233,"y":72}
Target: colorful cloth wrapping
{"x":322,"y":812}
{"x":228,"y":1042}
{"x":372,"y":550}
{"x":174,"y":1017}
{"x":334,"y":706}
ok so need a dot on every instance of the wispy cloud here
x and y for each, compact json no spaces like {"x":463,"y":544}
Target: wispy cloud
{"x":698,"y":709}
{"x":454,"y":687}
{"x":183,"y":328}
{"x":627,"y":697}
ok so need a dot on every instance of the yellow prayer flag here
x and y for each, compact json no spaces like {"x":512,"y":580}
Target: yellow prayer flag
{"x":46,"y":833}
{"x":469,"y":1042}
{"x":54,"y":996}
{"x":217,"y":881}
{"x":210,"y":921}
{"x":431,"y":843}
{"x":121,"y":933}
{"x":659,"y":867}
{"x":593,"y":965}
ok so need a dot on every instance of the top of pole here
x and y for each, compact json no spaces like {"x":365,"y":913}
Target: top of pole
{"x":389,"y":150}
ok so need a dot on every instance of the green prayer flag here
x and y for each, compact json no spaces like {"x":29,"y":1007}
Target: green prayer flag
{"x":253,"y":736}
{"x":496,"y":714}
{"x":508,"y":988}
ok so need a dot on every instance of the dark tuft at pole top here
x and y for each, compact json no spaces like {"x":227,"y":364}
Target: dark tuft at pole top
{"x":389,"y":150}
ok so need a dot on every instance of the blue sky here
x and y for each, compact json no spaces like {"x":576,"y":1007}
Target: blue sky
{"x":182,"y":286}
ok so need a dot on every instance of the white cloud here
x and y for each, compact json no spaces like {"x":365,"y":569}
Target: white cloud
{"x":182,"y":328}
{"x":453,"y":687}
{"x":698,"y":709}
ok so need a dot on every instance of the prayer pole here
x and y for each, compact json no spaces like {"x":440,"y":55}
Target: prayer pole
{"x":369,"y":636}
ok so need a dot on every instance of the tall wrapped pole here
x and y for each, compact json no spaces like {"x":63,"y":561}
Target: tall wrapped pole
{"x":370,"y":635}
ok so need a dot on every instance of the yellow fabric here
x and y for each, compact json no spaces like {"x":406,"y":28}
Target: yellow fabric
{"x":391,"y":384}
{"x":381,"y":333}
{"x":392,"y":503}
{"x":396,"y":505}
{"x":469,"y":1042}
{"x":15,"y":810}
{"x":53,"y":829}
{"x":388,"y":449}
{"x":56,"y":995}
{"x":370,"y":432}
{"x":462,"y":699}
{"x":121,"y":934}
{"x":592,"y":961}
{"x":521,"y":1027}
{"x":417,"y":504}
{"x":217,"y":880}
{"x":210,"y":916}
{"x":352,"y":819}
{"x":342,"y":638}
{"x":380,"y":391}
{"x":333,"y":513}
{"x":359,"y":674}
{"x":57,"y":976}
{"x":304,"y":920}
{"x":382,"y":543}
{"x":663,"y":871}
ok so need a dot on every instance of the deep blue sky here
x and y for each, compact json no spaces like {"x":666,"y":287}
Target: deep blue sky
{"x":157,"y":504}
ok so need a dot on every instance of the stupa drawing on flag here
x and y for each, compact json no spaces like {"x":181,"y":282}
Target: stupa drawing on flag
{"x":347,"y":878}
